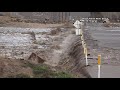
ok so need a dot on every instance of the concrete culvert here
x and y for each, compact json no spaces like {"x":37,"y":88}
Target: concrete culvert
{"x":72,"y":58}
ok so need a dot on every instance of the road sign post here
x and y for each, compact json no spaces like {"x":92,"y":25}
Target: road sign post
{"x":77,"y":24}
{"x":77,"y":31}
{"x":99,"y":63}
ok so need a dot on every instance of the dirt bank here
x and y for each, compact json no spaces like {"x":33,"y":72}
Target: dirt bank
{"x":72,"y":58}
{"x":12,"y":67}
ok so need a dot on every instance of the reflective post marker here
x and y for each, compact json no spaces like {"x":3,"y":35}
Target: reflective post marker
{"x":84,"y":48}
{"x":99,"y":63}
{"x":81,"y":33}
{"x":86,"y":56}
{"x":82,"y":37}
{"x":83,"y":43}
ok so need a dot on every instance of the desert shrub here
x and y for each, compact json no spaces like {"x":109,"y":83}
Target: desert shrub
{"x":44,"y":71}
{"x":40,"y":69}
{"x":63,"y":75}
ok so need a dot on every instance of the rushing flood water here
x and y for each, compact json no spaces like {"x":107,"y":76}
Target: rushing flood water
{"x":19,"y":42}
{"x":23,"y":30}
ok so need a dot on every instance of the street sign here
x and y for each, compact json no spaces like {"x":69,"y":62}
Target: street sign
{"x":77,"y":24}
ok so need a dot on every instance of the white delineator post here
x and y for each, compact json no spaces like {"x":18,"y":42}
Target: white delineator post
{"x":82,"y":37}
{"x":82,"y":25}
{"x":83,"y":44}
{"x":98,"y":71}
{"x":99,"y":63}
{"x":81,"y":33}
{"x":86,"y":56}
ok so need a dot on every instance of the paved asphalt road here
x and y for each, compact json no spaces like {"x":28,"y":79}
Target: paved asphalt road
{"x":107,"y":37}
{"x":107,"y":71}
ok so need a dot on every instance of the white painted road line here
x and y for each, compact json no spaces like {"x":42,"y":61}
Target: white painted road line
{"x":112,"y":30}
{"x":106,"y":34}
